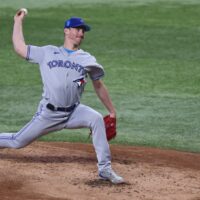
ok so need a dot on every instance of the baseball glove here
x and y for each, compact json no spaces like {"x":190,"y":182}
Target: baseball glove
{"x":110,"y":126}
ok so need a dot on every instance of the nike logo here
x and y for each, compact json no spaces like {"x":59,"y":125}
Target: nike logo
{"x":56,"y":52}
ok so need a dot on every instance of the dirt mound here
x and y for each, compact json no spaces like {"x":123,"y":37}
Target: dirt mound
{"x":66,"y":171}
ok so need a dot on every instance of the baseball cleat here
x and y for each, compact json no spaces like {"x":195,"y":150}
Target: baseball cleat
{"x":110,"y":175}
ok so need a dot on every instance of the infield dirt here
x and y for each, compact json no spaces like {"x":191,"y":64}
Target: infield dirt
{"x":66,"y":171}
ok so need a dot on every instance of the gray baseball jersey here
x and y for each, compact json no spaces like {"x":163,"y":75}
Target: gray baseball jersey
{"x":64,"y":77}
{"x":64,"y":74}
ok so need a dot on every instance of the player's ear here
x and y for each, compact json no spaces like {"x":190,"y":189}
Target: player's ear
{"x":66,"y":31}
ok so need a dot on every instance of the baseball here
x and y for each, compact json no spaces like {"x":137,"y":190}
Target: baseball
{"x":24,"y":10}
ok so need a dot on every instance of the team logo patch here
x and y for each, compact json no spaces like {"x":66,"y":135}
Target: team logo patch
{"x":80,"y":82}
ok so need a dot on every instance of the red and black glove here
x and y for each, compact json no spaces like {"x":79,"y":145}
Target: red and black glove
{"x":110,"y":126}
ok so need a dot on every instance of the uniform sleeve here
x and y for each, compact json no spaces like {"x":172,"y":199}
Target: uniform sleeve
{"x":35,"y":54}
{"x":94,"y":69}
{"x":95,"y":72}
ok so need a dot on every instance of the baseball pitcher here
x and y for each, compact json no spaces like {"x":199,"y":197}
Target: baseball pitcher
{"x":64,"y":71}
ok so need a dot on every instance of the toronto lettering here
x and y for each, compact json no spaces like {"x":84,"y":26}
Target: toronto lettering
{"x":66,"y":64}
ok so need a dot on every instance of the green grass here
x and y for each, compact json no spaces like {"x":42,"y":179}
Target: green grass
{"x":150,"y":51}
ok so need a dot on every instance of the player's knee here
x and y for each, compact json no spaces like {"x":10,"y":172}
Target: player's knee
{"x":97,"y":120}
{"x":97,"y":117}
{"x":18,"y":144}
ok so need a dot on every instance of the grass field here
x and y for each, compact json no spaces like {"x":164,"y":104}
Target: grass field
{"x":150,"y":51}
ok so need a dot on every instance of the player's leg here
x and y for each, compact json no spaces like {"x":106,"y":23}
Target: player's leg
{"x":22,"y":138}
{"x":86,"y":117}
{"x":43,"y":122}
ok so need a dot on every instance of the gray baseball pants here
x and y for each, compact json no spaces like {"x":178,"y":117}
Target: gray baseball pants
{"x":46,"y":121}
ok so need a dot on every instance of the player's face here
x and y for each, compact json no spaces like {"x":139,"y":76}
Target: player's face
{"x":76,"y":35}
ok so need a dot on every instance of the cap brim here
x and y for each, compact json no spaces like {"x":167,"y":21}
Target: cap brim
{"x":87,"y":28}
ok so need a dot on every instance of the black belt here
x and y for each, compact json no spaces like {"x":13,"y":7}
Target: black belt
{"x":62,"y":109}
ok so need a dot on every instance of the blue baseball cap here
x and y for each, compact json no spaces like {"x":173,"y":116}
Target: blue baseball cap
{"x":74,"y":22}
